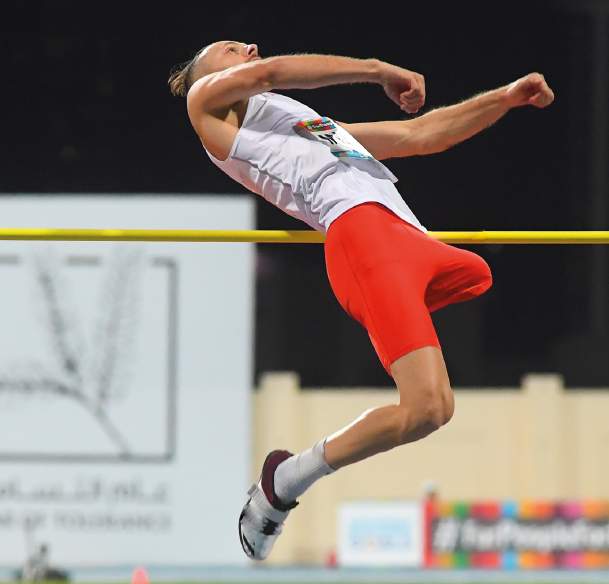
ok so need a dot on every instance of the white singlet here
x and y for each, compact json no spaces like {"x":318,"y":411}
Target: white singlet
{"x":307,"y":165}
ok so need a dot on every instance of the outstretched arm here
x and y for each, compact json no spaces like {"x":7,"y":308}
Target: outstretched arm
{"x":225,"y":88}
{"x":442,"y":128}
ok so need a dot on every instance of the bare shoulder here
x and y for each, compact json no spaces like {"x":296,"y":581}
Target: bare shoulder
{"x":197,"y":100}
{"x":216,"y":128}
{"x":201,"y":109}
{"x":218,"y":91}
{"x":217,"y":104}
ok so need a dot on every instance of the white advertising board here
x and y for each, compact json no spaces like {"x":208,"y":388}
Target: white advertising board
{"x":374,"y":533}
{"x":125,"y":383}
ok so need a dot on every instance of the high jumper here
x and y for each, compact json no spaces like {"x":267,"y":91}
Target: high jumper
{"x":384,"y":269}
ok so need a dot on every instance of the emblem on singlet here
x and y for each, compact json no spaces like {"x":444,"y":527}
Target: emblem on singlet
{"x":341,"y":143}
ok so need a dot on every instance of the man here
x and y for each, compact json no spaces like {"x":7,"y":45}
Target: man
{"x":383,"y":268}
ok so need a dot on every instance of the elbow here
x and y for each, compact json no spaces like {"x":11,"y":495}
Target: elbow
{"x":269,"y":71}
{"x":261,"y":75}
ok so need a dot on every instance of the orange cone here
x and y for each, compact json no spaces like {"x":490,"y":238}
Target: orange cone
{"x":139,"y":576}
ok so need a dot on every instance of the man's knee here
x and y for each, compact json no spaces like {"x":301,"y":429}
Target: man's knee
{"x":426,"y":399}
{"x":433,"y":408}
{"x":448,"y":405}
{"x":480,"y":272}
{"x":437,"y":406}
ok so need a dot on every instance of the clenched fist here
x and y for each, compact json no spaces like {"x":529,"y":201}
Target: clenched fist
{"x":530,"y":90}
{"x":405,"y":88}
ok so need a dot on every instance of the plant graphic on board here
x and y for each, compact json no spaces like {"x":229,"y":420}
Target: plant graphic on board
{"x":93,"y":373}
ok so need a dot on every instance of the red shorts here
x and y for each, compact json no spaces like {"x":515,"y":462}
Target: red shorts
{"x":389,"y":276}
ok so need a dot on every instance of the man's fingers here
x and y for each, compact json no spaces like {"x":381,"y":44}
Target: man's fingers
{"x":422,"y":86}
{"x":535,"y":78}
{"x":530,"y":90}
{"x":412,"y":107}
{"x":418,"y":102}
{"x":542,"y":99}
{"x":411,"y":95}
{"x":407,"y":90}
{"x":418,"y":85}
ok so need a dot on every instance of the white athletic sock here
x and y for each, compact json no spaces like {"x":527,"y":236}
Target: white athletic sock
{"x":296,"y":474}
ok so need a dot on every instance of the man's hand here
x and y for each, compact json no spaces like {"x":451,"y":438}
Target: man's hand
{"x":530,"y":90}
{"x":405,"y":88}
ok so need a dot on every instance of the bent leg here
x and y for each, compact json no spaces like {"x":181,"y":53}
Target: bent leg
{"x":461,"y":275}
{"x":426,"y":403}
{"x":379,"y":268}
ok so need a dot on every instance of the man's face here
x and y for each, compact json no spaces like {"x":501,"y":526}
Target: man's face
{"x":225,"y":54}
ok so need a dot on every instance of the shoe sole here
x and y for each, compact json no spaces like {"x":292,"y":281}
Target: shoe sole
{"x":247,"y":547}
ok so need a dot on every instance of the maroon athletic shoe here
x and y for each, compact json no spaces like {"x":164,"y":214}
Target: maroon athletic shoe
{"x":261,"y":521}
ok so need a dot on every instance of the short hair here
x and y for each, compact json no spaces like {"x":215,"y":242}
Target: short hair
{"x":181,"y":78}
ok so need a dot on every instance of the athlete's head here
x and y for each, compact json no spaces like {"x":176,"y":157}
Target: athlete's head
{"x":210,"y":59}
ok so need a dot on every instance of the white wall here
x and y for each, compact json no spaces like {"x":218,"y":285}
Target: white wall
{"x":107,"y":453}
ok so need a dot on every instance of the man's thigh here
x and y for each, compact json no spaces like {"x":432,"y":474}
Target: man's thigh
{"x":382,"y":283}
{"x":421,"y":374}
{"x":459,"y":275}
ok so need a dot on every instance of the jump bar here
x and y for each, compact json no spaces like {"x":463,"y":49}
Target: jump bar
{"x":464,"y":237}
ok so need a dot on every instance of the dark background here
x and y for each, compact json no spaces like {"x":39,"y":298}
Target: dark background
{"x":85,"y":108}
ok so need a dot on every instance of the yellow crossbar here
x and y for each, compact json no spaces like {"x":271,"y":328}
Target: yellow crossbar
{"x":291,"y":236}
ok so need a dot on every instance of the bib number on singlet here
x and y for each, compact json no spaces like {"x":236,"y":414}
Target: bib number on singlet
{"x":341,"y":143}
